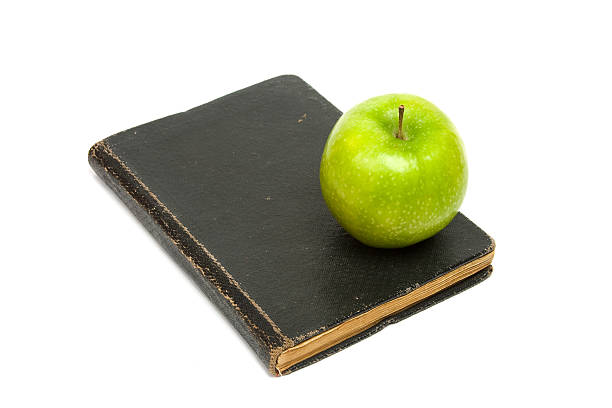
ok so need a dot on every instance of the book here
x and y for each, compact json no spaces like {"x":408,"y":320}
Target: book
{"x":231,"y":190}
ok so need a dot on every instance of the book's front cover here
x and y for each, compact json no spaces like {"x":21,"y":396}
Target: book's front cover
{"x":231,"y":188}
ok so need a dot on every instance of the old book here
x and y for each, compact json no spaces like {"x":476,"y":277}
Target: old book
{"x":231,"y":190}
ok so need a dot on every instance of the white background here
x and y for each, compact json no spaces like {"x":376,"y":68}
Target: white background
{"x":93,"y":313}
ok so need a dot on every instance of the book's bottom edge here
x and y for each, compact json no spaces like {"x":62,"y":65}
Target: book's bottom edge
{"x":438,"y":297}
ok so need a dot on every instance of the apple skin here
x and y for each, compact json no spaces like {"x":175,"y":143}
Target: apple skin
{"x":389,"y":192}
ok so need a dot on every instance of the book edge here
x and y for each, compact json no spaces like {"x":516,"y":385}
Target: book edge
{"x":471,"y":268}
{"x":436,"y":298}
{"x":308,"y":335}
{"x":258,"y":329}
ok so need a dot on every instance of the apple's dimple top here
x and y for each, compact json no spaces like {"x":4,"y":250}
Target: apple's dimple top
{"x":240,"y":174}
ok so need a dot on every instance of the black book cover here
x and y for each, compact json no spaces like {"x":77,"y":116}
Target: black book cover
{"x":231,"y":190}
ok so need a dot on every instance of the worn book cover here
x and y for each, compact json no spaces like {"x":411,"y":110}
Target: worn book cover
{"x":231,"y":190}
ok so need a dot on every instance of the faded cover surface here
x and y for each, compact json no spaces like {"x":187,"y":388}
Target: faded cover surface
{"x":231,"y":189}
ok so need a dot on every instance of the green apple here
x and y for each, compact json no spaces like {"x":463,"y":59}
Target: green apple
{"x":393,"y":171}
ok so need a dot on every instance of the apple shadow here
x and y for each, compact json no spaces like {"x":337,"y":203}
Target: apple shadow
{"x":353,"y":277}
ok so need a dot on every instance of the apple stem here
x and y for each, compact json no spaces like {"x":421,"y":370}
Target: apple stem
{"x":400,"y":133}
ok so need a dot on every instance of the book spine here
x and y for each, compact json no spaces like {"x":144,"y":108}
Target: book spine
{"x":247,"y":317}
